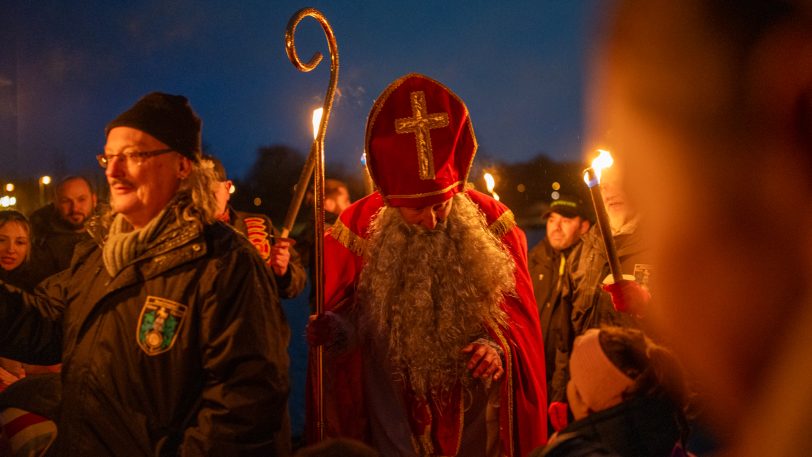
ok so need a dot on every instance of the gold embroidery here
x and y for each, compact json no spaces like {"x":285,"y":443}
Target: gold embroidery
{"x":347,"y":238}
{"x":508,"y":377}
{"x":378,"y":105}
{"x":503,"y":224}
{"x":423,"y":444}
{"x":426,"y":194}
{"x":421,"y":125}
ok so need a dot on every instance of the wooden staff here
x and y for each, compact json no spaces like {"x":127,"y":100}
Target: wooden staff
{"x":318,"y":179}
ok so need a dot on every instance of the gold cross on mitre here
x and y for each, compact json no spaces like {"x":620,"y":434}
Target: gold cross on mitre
{"x":421,"y":125}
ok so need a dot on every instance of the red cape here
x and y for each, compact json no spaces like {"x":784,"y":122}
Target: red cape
{"x":523,"y":423}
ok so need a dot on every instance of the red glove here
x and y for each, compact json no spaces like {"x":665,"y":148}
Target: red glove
{"x":628,"y":296}
{"x":557,"y":413}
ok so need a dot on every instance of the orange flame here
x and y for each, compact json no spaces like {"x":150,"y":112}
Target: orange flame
{"x":604,"y":160}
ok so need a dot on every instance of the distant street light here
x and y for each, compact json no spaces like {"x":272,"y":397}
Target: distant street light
{"x":43,"y":181}
{"x":10,"y":187}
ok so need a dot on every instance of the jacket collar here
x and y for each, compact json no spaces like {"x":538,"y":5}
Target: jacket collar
{"x":171,"y":249}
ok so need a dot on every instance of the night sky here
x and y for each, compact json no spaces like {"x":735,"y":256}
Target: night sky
{"x":67,"y":68}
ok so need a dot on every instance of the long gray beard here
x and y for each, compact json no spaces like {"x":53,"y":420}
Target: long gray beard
{"x":426,"y":294}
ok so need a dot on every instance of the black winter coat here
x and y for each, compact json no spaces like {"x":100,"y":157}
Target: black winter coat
{"x":183,"y":352}
{"x":544,"y":264}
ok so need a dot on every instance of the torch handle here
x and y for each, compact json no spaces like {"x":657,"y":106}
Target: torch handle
{"x":604,"y":227}
{"x":299,"y":192}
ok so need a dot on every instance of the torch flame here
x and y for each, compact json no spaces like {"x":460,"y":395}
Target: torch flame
{"x":604,"y":160}
{"x":316,"y":121}
{"x":489,"y":181}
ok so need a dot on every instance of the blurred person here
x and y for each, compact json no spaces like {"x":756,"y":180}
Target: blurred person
{"x":432,"y":335}
{"x":21,"y":431}
{"x":628,"y":397}
{"x":711,"y":107}
{"x":566,"y":221}
{"x":15,"y":249}
{"x":15,"y":244}
{"x":15,"y":270}
{"x":588,"y":274}
{"x":59,"y":226}
{"x":336,"y":199}
{"x":168,"y":324}
{"x":278,"y":253}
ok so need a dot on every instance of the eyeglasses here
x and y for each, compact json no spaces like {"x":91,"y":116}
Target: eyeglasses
{"x":130,"y":158}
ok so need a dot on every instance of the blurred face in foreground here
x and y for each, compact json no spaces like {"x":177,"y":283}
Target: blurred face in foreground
{"x":706,"y":138}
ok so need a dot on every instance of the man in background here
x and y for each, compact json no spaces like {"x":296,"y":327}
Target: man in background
{"x":59,"y":226}
{"x":336,"y":199}
{"x":278,"y":253}
{"x":566,"y":222}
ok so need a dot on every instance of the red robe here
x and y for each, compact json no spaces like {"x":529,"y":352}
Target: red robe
{"x":523,"y":391}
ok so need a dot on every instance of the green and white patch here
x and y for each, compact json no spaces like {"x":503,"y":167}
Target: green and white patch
{"x":158,"y":324}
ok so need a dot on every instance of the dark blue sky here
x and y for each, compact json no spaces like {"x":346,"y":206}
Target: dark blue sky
{"x":519,"y":66}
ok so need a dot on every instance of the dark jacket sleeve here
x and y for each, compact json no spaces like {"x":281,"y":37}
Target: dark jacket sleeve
{"x":244,"y":340}
{"x":31,"y":323}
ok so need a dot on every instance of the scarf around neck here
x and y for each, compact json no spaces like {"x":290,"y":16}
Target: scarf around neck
{"x":125,"y":244}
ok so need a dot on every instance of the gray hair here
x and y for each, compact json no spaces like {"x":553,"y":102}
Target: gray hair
{"x":198,"y":185}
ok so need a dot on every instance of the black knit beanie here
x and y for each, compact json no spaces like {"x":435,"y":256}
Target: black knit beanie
{"x":168,"y":118}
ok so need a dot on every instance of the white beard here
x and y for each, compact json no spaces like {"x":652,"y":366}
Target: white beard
{"x":426,"y":294}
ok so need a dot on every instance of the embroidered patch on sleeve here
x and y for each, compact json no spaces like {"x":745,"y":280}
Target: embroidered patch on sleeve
{"x":257,"y":233}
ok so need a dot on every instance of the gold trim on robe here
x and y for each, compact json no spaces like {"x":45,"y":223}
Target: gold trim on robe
{"x":503,"y":224}
{"x":347,"y":238}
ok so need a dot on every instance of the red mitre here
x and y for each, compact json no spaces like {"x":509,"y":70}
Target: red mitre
{"x":419,"y":142}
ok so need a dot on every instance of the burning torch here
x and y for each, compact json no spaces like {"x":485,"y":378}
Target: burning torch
{"x":491,"y":183}
{"x":592,"y":177}
{"x":304,"y":178}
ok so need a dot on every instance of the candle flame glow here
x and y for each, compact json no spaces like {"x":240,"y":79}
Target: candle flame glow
{"x":316,"y":121}
{"x":489,"y":181}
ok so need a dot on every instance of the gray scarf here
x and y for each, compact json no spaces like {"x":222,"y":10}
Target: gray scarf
{"x":124,"y":244}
